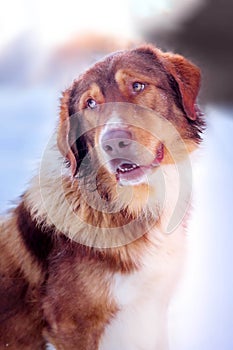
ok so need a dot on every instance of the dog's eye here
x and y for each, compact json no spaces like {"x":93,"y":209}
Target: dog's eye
{"x":91,"y":103}
{"x":137,"y":87}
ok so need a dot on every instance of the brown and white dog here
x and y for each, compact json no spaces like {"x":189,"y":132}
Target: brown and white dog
{"x":92,"y":253}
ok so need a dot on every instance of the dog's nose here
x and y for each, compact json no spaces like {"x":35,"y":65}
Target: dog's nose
{"x":116,"y":142}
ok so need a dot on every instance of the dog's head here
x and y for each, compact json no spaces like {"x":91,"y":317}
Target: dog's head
{"x":129,"y":114}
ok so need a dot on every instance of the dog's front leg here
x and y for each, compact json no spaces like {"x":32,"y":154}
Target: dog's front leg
{"x":76,"y":306}
{"x":67,"y":340}
{"x":80,"y":330}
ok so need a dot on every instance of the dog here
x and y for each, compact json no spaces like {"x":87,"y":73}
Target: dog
{"x":93,"y":251}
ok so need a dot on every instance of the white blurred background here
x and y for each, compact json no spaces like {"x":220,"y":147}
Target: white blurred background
{"x":44,"y":45}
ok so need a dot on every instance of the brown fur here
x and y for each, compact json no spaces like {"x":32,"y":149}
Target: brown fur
{"x":54,"y":287}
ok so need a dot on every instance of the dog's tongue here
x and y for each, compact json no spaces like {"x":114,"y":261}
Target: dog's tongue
{"x":126,"y":170}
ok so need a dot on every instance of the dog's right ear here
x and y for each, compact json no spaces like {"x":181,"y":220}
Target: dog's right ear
{"x":64,"y":131}
{"x":187,"y":77}
{"x":184,"y":73}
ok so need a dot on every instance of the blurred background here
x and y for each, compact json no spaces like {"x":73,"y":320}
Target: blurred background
{"x":45,"y":44}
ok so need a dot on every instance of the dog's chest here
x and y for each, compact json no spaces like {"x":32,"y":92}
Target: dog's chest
{"x":141,"y":320}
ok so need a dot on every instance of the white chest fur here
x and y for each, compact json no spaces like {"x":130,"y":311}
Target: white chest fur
{"x":140,"y":322}
{"x":142,"y":298}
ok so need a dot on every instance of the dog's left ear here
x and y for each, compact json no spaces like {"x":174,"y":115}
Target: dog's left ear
{"x":187,"y":77}
{"x":64,"y":130}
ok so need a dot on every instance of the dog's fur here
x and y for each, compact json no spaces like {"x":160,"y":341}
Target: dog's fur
{"x":86,"y":262}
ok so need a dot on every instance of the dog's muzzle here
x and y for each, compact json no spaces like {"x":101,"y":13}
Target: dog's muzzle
{"x":125,"y":157}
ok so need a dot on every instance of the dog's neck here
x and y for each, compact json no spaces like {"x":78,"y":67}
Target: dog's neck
{"x":55,"y":200}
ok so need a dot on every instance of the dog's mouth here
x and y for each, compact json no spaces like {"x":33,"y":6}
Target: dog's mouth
{"x":128,"y":172}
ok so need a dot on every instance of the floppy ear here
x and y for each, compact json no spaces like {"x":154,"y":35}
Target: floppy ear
{"x":63,"y":132}
{"x":187,"y":77}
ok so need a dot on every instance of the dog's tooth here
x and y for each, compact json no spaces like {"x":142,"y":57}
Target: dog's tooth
{"x":128,"y":168}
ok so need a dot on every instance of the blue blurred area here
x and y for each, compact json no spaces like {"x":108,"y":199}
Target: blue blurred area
{"x":27,"y":118}
{"x":205,"y":307}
